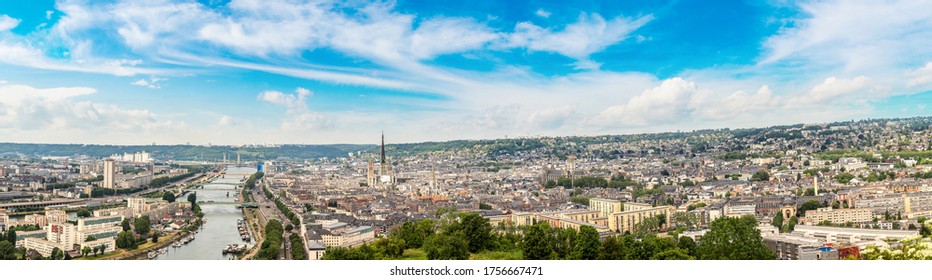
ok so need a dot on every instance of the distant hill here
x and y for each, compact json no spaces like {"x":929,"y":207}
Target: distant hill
{"x":559,"y":146}
{"x":186,"y":152}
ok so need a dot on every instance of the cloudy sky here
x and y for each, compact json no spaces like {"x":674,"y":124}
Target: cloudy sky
{"x":270,"y":71}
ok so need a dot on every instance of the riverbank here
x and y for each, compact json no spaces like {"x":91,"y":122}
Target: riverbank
{"x":144,"y":249}
{"x":255,"y":227}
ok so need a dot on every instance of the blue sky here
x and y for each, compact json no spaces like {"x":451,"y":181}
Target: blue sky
{"x":249,"y":71}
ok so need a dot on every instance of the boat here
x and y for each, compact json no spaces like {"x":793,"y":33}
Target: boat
{"x":234,"y":248}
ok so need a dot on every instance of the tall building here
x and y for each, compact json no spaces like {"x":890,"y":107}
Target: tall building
{"x":815,"y":185}
{"x":571,"y":166}
{"x":370,"y":174}
{"x":383,"y":149}
{"x":385,"y":167}
{"x":109,"y":174}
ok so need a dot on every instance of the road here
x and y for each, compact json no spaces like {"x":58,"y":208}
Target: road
{"x":268,"y":210}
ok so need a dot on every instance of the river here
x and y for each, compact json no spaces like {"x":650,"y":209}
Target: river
{"x":220,"y":227}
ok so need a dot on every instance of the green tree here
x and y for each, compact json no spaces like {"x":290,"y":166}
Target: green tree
{"x":564,"y":240}
{"x":687,"y":244}
{"x":844,"y":178}
{"x":537,"y":243}
{"x":587,"y":244}
{"x":475,"y":228}
{"x":84,"y":213}
{"x":791,"y":225}
{"x":447,"y":247}
{"x":141,"y":224}
{"x":733,"y":239}
{"x":86,"y":250}
{"x":612,"y":249}
{"x":192,"y":198}
{"x":673,"y":254}
{"x":168,"y":196}
{"x":155,"y":237}
{"x":415,"y":233}
{"x":925,"y":230}
{"x":57,"y":254}
{"x":126,"y":240}
{"x":11,"y":236}
{"x":777,"y":220}
{"x":125,"y":225}
{"x":761,"y":175}
{"x":7,"y":250}
{"x":389,"y":248}
{"x":811,"y":204}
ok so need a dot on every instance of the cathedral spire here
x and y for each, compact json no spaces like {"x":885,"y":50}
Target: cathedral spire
{"x":383,"y":147}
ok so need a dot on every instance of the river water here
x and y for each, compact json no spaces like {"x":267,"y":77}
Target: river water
{"x":220,"y":227}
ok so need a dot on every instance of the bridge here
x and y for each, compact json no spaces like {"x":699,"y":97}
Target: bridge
{"x":237,"y":204}
{"x":224,"y":173}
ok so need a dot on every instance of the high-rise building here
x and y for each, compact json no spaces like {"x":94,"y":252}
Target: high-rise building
{"x":109,"y":174}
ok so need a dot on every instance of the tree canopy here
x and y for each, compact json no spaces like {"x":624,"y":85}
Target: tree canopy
{"x":733,"y":239}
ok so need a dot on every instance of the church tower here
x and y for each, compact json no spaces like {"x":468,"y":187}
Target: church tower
{"x":370,"y":174}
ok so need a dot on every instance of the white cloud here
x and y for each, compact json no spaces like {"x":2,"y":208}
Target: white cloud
{"x":589,"y":34}
{"x":919,"y":76}
{"x":542,"y":13}
{"x":448,"y":35}
{"x":48,"y":14}
{"x":57,"y":110}
{"x":855,"y":35}
{"x":711,"y":107}
{"x":227,"y":121}
{"x":7,"y":23}
{"x":668,"y":102}
{"x":298,"y":116}
{"x":552,"y":118}
{"x":834,"y":88}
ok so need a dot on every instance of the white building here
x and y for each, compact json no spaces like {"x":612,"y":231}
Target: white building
{"x":109,"y":174}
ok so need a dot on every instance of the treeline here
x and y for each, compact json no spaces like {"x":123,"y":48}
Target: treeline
{"x":287,"y":211}
{"x":272,"y":244}
{"x":251,"y":184}
{"x":462,"y":235}
{"x":617,"y":182}
{"x":297,"y":247}
{"x":163,"y":181}
{"x":101,"y":192}
{"x":187,"y":152}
